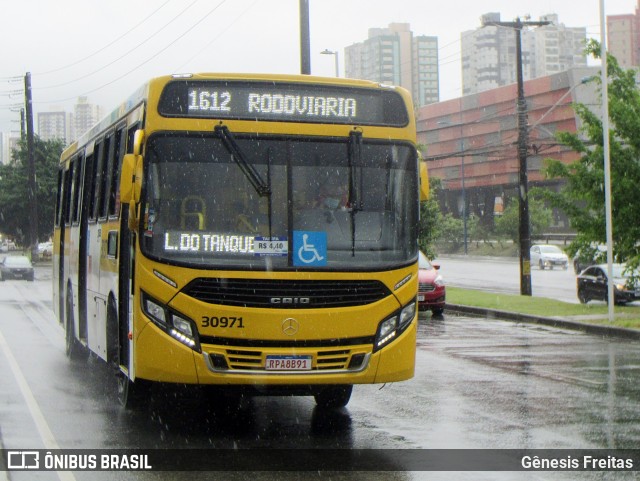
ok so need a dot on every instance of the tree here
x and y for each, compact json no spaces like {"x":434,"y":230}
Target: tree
{"x":582,"y":198}
{"x":508,"y":225}
{"x":430,"y":226}
{"x":14,"y":206}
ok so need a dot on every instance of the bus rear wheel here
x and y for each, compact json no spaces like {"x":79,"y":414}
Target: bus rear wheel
{"x":73,"y":349}
{"x":334,"y":396}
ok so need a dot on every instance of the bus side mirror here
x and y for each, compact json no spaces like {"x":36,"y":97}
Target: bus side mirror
{"x":131,"y":179}
{"x":131,"y":185}
{"x":424,"y":181}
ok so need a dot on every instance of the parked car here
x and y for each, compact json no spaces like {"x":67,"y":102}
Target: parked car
{"x":546,"y":255}
{"x":588,"y":257}
{"x":431,"y":288}
{"x":592,"y":284}
{"x":45,"y":249}
{"x":16,"y":267}
{"x":7,"y":245}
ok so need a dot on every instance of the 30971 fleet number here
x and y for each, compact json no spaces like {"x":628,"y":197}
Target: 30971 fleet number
{"x":222,"y":321}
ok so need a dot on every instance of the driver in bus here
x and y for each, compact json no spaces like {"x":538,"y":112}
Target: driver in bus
{"x":332,"y":195}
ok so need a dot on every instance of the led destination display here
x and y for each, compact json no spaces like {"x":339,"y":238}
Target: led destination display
{"x":283,"y":102}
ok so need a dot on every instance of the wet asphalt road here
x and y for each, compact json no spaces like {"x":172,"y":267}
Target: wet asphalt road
{"x":502,"y":275}
{"x":479,"y":384}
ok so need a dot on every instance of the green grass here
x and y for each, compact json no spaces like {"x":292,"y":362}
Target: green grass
{"x":625,"y":316}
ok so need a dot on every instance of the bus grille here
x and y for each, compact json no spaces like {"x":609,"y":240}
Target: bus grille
{"x":424,"y":287}
{"x":326,"y":361}
{"x":275,"y":293}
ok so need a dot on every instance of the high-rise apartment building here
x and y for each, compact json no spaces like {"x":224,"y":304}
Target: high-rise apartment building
{"x":55,"y":125}
{"x":394,"y":56}
{"x":85,"y":115}
{"x":8,"y":142}
{"x":489,"y":60}
{"x":623,"y":38}
{"x":58,"y":124}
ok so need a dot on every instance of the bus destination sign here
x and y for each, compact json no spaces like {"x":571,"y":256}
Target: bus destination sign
{"x":282,"y":102}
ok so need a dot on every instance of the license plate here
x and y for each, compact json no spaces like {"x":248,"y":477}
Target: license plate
{"x":420,"y":298}
{"x":288,"y":363}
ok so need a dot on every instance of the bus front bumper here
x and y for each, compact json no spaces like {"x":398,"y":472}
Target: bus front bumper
{"x":164,"y":359}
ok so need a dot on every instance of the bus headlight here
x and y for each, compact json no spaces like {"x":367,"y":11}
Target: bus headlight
{"x":391,"y":327}
{"x":176,"y":325}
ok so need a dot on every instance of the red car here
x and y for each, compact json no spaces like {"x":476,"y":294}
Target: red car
{"x":431,"y":289}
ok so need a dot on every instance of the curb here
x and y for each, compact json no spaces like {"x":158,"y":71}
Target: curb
{"x":597,"y":329}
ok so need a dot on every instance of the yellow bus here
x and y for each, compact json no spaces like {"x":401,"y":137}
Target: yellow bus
{"x":246,"y":232}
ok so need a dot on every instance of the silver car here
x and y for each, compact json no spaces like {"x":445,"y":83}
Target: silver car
{"x":546,"y":255}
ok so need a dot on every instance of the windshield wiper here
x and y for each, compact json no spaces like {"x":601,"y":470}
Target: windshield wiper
{"x":354,"y":157}
{"x":253,"y":176}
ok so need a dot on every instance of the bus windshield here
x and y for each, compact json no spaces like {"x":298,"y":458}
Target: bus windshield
{"x":334,"y":210}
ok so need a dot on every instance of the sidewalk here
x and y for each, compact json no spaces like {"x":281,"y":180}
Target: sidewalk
{"x":572,"y":322}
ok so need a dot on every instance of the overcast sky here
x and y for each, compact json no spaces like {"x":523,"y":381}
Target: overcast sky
{"x":105,"y":49}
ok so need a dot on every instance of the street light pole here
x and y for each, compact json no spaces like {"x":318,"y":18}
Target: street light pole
{"x":326,"y":51}
{"x":305,"y":40}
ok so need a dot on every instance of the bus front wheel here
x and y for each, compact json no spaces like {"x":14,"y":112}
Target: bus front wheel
{"x":132,"y":394}
{"x":334,"y":396}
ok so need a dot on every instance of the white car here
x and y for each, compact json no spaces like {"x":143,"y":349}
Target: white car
{"x":45,"y":249}
{"x":546,"y":255}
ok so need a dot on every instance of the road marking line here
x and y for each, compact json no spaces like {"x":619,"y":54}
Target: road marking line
{"x":46,"y":435}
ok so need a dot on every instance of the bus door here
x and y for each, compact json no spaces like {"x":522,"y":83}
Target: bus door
{"x":75,"y":271}
{"x":126,"y":243}
{"x":64,"y":181}
{"x":83,"y":243}
{"x":95,"y":301}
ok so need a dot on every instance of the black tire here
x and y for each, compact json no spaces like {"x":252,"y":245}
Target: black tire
{"x":73,"y":349}
{"x":541,"y":265}
{"x":113,"y":343}
{"x":437,"y":311}
{"x":132,"y":395}
{"x":582,"y":297}
{"x":334,"y":396}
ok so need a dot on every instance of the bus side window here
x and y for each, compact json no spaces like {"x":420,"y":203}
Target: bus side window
{"x":114,"y":191}
{"x":107,"y":174}
{"x":90,"y":185}
{"x":59,"y":198}
{"x":76,"y":188}
{"x":66,"y":201}
{"x":99,"y":174}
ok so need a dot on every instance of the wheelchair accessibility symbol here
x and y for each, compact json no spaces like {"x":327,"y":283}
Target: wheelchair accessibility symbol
{"x":310,"y":248}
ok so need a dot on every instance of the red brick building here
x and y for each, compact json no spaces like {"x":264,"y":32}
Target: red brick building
{"x":471,"y":141}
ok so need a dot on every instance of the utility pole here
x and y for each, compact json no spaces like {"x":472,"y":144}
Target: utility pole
{"x":305,"y":42}
{"x":23,"y":130}
{"x":524,"y":229}
{"x":31,"y":165}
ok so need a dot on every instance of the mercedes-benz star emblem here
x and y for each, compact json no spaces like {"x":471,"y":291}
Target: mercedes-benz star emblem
{"x":290,"y":326}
